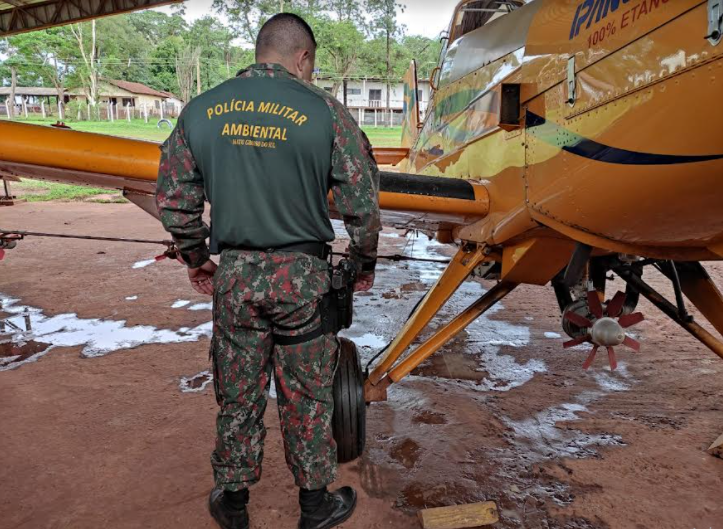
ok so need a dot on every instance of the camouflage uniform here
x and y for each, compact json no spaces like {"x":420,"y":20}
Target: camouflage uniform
{"x":259,"y":294}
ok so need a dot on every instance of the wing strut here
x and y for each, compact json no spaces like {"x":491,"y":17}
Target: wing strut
{"x":459,"y":269}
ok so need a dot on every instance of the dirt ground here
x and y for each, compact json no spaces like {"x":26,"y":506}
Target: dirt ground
{"x":108,"y":418}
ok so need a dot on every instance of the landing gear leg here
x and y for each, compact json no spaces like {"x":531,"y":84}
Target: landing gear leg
{"x":458,"y":270}
{"x":713,"y":343}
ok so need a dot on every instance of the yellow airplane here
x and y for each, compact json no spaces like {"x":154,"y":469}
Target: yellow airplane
{"x":566,"y":139}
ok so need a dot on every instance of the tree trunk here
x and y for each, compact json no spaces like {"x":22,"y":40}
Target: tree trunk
{"x":13,"y":86}
{"x":389,"y":76}
{"x":198,"y":76}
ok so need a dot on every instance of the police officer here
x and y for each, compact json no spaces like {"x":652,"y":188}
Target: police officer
{"x":265,"y":149}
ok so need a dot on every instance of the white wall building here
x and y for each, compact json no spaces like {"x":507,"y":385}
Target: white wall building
{"x":367,"y":98}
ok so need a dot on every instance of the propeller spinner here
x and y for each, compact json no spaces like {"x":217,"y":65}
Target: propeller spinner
{"x":606,"y":328}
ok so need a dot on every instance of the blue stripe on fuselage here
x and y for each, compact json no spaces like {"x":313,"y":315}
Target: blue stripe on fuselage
{"x":573,"y":143}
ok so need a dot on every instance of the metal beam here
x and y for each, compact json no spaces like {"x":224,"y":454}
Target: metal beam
{"x":24,"y":17}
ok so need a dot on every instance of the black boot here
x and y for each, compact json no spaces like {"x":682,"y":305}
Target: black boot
{"x":321,"y":509}
{"x":229,"y":510}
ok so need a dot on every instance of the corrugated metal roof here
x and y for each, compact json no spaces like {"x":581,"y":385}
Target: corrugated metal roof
{"x":40,"y":91}
{"x":136,"y":88}
{"x":18,"y":3}
{"x":19,"y":16}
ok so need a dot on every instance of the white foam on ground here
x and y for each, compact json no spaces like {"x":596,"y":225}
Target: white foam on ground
{"x":143,"y":264}
{"x":98,"y":337}
{"x":549,"y":440}
{"x":201,"y":306}
{"x":180,"y":303}
{"x":554,"y":335}
{"x":131,"y":298}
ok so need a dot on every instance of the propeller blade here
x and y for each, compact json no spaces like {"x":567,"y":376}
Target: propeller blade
{"x":615,"y":306}
{"x":590,"y":357}
{"x":612,"y":359}
{"x":576,"y":341}
{"x":628,"y":320}
{"x":580,"y":321}
{"x":633,"y":344}
{"x":160,"y":257}
{"x":593,"y":303}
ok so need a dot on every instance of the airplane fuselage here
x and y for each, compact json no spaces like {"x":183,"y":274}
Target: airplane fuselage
{"x":619,"y":142}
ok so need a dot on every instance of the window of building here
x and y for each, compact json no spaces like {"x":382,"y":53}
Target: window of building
{"x":420,"y":93}
{"x":128,"y":101}
{"x":328,"y":88}
{"x":375,"y":94}
{"x":353,"y":91}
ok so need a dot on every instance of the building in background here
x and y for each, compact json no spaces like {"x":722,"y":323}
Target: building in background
{"x":367,"y":98}
{"x":139,"y":97}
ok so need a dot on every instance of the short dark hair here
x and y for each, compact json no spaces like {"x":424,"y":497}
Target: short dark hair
{"x":285,"y":34}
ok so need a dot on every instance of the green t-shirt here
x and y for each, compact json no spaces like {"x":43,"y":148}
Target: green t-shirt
{"x":263,"y":144}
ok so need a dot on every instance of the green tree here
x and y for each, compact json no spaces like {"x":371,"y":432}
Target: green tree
{"x":386,"y":27}
{"x":214,"y":41}
{"x":422,"y":49}
{"x":39,"y":59}
{"x":340,"y":44}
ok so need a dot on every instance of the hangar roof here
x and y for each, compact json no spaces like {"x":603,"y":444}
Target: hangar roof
{"x":19,"y":16}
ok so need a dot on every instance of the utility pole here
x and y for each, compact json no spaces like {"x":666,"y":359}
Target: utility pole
{"x":346,"y":86}
{"x":13,"y":86}
{"x":198,"y":75}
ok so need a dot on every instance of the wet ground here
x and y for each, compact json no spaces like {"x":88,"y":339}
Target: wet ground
{"x":107,"y":405}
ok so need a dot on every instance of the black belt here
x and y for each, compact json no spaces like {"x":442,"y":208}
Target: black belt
{"x":315,"y":249}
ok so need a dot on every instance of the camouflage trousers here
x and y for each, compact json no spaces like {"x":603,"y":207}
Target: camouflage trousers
{"x":257,"y":295}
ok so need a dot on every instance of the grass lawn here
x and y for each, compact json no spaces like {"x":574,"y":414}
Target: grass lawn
{"x":34,"y":190}
{"x":384,"y":137}
{"x":41,"y":191}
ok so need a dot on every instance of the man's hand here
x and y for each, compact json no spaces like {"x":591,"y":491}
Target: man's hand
{"x":202,"y":278}
{"x":364,"y":282}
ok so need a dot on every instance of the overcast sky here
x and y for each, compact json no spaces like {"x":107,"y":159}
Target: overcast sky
{"x":422,"y":17}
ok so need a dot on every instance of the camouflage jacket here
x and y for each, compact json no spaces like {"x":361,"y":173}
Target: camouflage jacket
{"x":353,"y":179}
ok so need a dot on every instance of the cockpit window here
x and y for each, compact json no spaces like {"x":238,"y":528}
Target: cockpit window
{"x":477,"y":13}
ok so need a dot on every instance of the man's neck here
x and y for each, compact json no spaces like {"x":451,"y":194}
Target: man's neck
{"x":272,"y":59}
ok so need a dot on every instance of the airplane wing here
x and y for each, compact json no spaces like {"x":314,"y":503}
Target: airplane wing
{"x":408,"y":201}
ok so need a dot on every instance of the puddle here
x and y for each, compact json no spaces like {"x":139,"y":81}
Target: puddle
{"x":97,"y":337}
{"x":143,"y":264}
{"x":180,"y":303}
{"x":452,"y":365}
{"x":196,"y":383}
{"x":428,"y":417}
{"x":406,"y":453}
{"x":11,"y":352}
{"x":370,"y":340}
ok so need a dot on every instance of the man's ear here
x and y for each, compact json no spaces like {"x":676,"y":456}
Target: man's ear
{"x":301,"y":60}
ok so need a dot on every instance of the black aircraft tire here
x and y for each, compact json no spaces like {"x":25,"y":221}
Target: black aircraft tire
{"x":349,"y":420}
